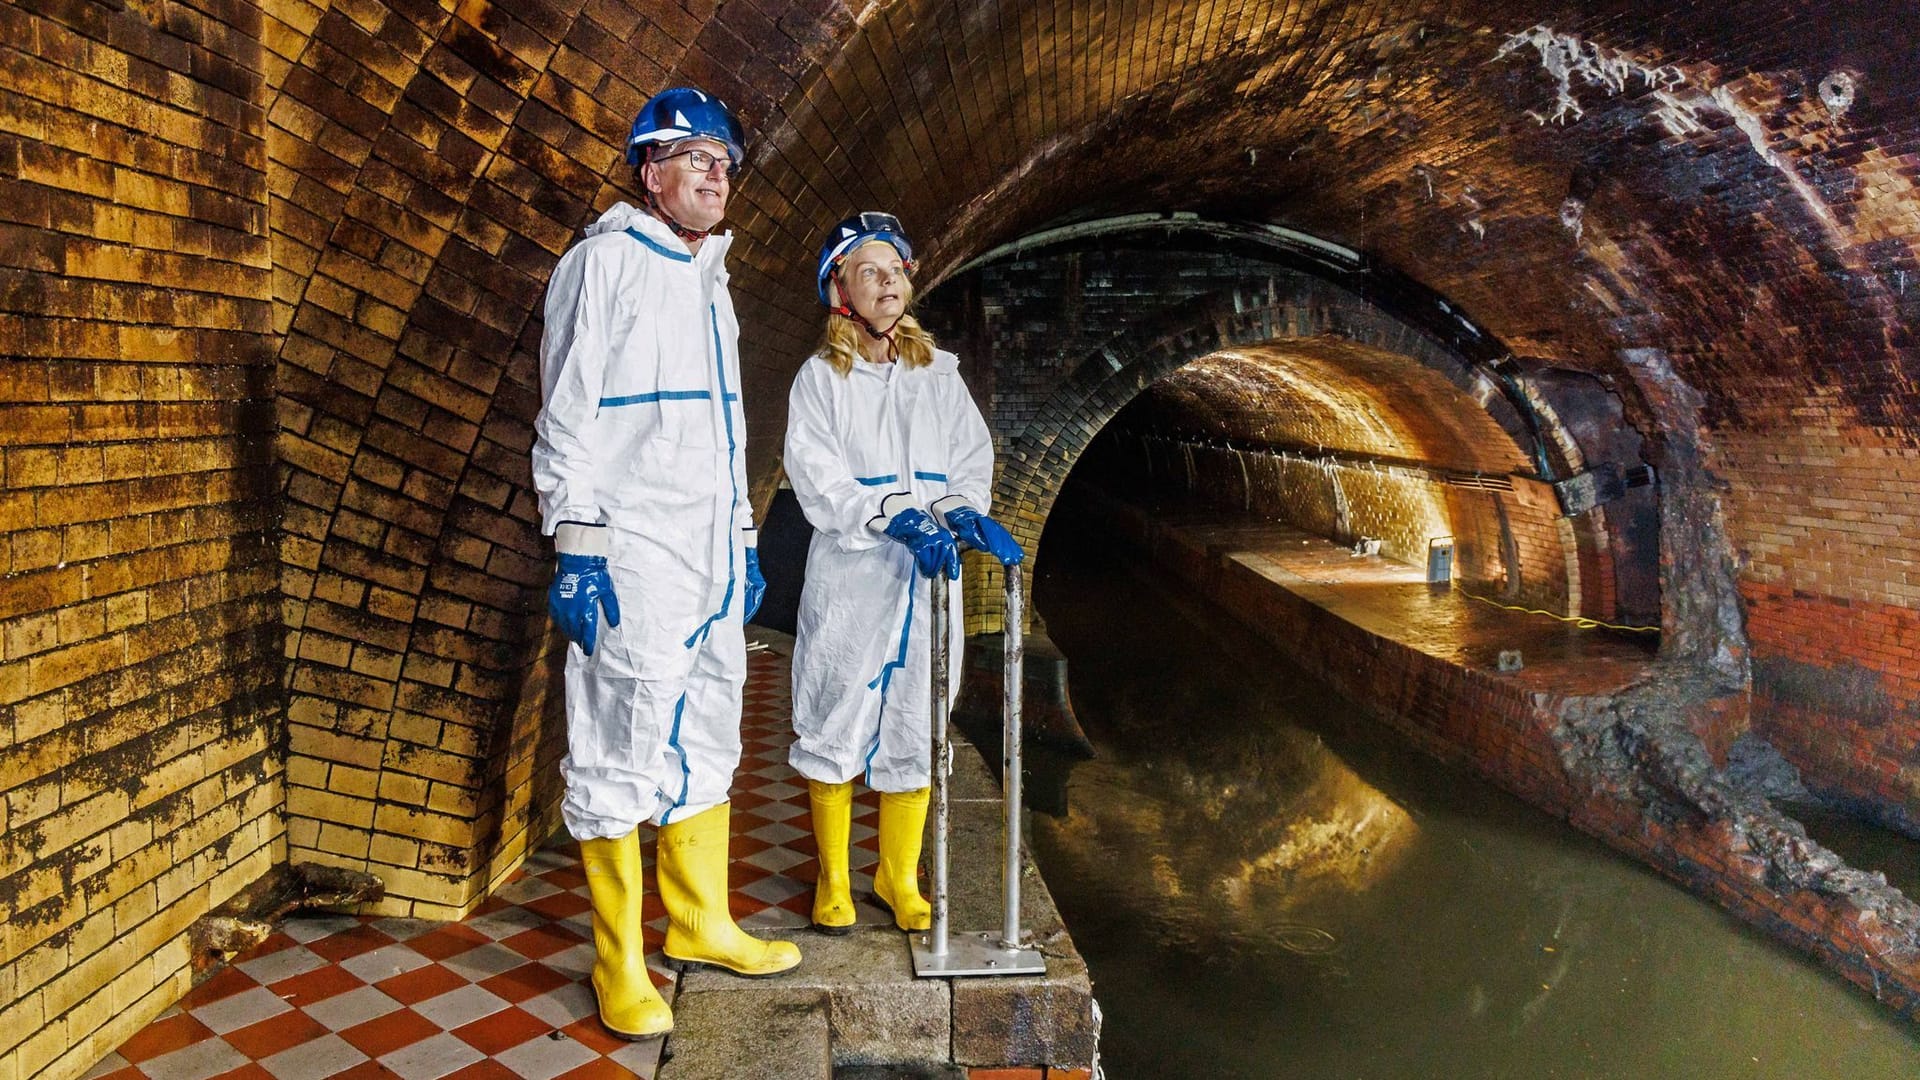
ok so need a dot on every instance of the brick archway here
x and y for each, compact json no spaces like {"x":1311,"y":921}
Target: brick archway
{"x":1037,"y":456}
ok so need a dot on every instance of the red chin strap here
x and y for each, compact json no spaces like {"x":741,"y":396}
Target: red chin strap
{"x":691,"y":236}
{"x":893,"y":347}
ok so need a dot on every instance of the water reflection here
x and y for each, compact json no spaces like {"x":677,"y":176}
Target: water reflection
{"x":1282,"y":826}
{"x":1266,"y":885}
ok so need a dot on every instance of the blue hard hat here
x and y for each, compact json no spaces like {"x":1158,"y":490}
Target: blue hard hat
{"x":683,"y":113}
{"x":857,"y":230}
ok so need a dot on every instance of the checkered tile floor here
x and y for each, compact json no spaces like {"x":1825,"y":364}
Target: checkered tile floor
{"x":503,"y":993}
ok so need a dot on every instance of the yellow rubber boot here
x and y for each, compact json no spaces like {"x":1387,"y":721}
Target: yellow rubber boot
{"x":903,"y":818}
{"x":832,"y":824}
{"x":693,"y":882}
{"x":629,"y":1005}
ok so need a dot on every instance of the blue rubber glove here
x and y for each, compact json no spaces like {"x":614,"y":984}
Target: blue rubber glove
{"x":756,"y":585}
{"x":581,"y":587}
{"x":932,"y":546}
{"x":982,"y":533}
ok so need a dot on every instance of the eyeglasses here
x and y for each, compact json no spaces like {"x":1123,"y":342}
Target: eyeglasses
{"x":703,"y":161}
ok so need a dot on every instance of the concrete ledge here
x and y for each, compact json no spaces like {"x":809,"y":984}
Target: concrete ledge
{"x":769,"y":1033}
{"x":1011,"y":1021}
{"x":856,"y":1000}
{"x":877,"y":1011}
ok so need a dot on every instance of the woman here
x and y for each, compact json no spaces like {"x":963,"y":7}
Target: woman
{"x":893,"y":467}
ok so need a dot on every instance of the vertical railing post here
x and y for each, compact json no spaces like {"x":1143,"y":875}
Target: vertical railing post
{"x":1014,"y":664}
{"x":941,"y":750}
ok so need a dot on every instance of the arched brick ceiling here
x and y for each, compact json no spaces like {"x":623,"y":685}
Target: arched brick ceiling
{"x":1411,"y":131}
{"x":1689,"y":192}
{"x":1329,"y":395}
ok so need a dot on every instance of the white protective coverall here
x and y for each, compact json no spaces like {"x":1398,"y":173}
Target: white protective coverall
{"x":861,"y":685}
{"x":641,"y":430}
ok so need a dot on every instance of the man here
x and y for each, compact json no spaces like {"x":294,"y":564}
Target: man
{"x":639,"y":463}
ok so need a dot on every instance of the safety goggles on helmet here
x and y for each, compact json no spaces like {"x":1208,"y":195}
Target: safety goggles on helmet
{"x":683,"y":113}
{"x":853,"y":232}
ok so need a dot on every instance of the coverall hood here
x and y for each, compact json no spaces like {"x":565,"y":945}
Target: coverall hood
{"x":622,"y":216}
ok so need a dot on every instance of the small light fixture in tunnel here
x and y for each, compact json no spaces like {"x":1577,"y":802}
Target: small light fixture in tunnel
{"x":1439,"y":560}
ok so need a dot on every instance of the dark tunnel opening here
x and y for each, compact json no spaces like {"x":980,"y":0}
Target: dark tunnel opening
{"x":1300,"y":383}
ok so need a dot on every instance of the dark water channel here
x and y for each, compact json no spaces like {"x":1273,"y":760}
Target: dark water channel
{"x":1265,"y":884}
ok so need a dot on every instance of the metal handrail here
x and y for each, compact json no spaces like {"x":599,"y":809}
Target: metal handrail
{"x":940,"y":951}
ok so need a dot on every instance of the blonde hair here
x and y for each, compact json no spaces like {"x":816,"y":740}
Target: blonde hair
{"x":840,"y":345}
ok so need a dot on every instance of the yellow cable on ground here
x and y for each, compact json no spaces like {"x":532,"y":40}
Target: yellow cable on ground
{"x":1580,"y":621}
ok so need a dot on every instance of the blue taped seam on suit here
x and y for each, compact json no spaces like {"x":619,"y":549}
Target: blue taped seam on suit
{"x":885,"y":678}
{"x":686,"y":774}
{"x":657,"y":395}
{"x":676,"y":256}
{"x":876,"y":481}
{"x":720,"y":369}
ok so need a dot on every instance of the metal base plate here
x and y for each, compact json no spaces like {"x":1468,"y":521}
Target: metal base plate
{"x":974,"y":952}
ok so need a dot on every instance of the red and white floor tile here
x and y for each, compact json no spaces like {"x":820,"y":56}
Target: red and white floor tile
{"x":504,"y":992}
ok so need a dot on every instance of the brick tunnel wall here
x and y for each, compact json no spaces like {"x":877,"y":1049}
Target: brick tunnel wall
{"x":1361,"y":445}
{"x":269,"y":283}
{"x":1830,"y":589}
{"x":141,"y":722}
{"x":1507,"y":545}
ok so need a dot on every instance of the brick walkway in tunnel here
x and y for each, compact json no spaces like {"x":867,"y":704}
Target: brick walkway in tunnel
{"x":1393,"y":601}
{"x":504,"y":992}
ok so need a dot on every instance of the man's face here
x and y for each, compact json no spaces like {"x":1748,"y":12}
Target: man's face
{"x":697,"y":200}
{"x":874,"y":282}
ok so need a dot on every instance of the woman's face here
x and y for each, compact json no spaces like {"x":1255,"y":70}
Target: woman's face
{"x":874,"y":283}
